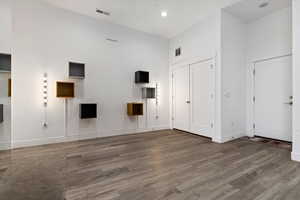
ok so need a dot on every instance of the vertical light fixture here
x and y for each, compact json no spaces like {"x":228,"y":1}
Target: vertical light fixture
{"x":156,"y":99}
{"x":45,"y":98}
{"x":45,"y":89}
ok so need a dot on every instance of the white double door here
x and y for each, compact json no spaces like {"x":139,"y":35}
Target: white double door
{"x":273,"y":98}
{"x":193,"y":98}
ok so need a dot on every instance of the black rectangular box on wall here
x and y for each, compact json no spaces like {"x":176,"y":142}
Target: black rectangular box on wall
{"x":141,"y":77}
{"x":88,"y":111}
{"x":76,"y":70}
{"x":5,"y":62}
{"x":1,"y":113}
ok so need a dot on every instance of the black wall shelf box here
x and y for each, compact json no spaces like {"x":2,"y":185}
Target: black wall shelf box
{"x":76,"y":70}
{"x":148,"y":93}
{"x":88,"y":111}
{"x":141,"y":77}
{"x":1,"y":113}
{"x":5,"y":62}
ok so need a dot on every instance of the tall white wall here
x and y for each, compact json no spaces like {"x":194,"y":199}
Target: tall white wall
{"x":5,"y":47}
{"x":6,"y":26}
{"x":199,"y":41}
{"x":46,"y":38}
{"x":267,"y":37}
{"x":233,"y":77}
{"x":296,"y":80}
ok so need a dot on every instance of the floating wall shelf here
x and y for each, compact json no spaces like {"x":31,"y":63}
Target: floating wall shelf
{"x":5,"y":63}
{"x":1,"y":113}
{"x":88,"y":111}
{"x":135,"y":109}
{"x":76,"y":70}
{"x":65,"y":90}
{"x":141,"y":77}
{"x":9,"y":88}
{"x":148,"y":93}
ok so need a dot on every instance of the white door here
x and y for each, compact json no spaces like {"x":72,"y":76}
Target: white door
{"x":200,"y":90}
{"x":273,"y":99}
{"x":181,"y":98}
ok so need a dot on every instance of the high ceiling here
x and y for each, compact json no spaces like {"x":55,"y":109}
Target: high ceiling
{"x":145,"y":15}
{"x":249,"y":10}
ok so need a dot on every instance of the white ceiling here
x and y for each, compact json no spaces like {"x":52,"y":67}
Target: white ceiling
{"x":248,"y":10}
{"x":145,"y":15}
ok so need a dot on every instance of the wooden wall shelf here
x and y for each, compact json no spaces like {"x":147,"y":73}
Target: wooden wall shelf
{"x":9,"y":88}
{"x":1,"y":113}
{"x":135,"y":109}
{"x":65,"y":90}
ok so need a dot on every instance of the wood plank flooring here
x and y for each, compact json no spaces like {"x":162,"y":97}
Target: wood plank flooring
{"x":164,"y":165}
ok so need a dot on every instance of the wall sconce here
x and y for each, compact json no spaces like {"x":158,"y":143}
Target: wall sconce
{"x":157,"y":94}
{"x":157,"y":90}
{"x":45,"y":89}
{"x":45,"y":98}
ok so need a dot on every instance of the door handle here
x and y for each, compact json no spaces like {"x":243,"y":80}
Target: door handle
{"x":188,"y":101}
{"x":289,"y":103}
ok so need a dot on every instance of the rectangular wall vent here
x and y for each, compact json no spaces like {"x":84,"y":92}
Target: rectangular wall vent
{"x":177,"y":52}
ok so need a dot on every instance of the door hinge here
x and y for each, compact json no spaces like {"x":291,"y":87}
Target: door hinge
{"x":172,"y":118}
{"x":254,"y":126}
{"x":254,"y":99}
{"x":172,"y":75}
{"x":254,"y":72}
{"x":211,"y":125}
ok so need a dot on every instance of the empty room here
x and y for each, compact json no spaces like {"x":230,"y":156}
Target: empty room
{"x":149,"y":100}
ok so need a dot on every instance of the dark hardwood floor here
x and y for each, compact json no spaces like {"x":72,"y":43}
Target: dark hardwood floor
{"x":164,"y":165}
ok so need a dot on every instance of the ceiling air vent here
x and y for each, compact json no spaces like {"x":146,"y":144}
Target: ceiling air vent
{"x":102,"y":12}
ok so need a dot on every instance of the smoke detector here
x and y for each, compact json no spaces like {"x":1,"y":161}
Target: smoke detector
{"x":263,"y":5}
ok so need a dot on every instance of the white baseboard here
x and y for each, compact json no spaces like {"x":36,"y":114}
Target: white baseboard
{"x":5,"y":146}
{"x":229,"y":138}
{"x":72,"y":138}
{"x":296,"y":156}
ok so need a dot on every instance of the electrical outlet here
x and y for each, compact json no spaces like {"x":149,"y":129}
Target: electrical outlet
{"x":45,"y":125}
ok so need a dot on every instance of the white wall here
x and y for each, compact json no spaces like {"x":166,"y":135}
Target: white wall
{"x":45,"y":39}
{"x":199,"y":41}
{"x":270,"y":36}
{"x":296,"y":80}
{"x":5,"y":47}
{"x":267,"y":37}
{"x":202,"y":41}
{"x":233,"y":77}
{"x":6,"y":26}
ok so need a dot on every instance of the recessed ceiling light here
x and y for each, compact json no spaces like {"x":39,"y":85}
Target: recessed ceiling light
{"x":164,"y":13}
{"x":263,"y":5}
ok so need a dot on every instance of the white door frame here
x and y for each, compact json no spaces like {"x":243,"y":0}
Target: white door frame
{"x":212,"y":92}
{"x":252,"y":90}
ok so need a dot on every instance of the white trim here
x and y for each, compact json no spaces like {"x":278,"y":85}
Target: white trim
{"x":235,"y":136}
{"x":296,"y":156}
{"x":73,"y":138}
{"x":4,"y":146}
